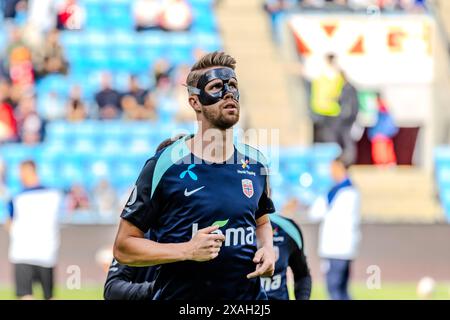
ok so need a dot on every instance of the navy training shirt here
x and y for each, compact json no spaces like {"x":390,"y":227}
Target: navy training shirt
{"x":177,"y":194}
{"x":288,"y":245}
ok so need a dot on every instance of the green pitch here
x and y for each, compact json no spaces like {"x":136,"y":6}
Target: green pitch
{"x":388,"y":291}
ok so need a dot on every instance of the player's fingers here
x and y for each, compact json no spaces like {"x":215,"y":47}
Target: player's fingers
{"x":217,"y":244}
{"x":215,"y":236}
{"x":208,"y":229}
{"x":214,"y":250}
{"x":213,"y":255}
{"x":258,"y":256}
{"x":254,"y":274}
{"x":266,"y":268}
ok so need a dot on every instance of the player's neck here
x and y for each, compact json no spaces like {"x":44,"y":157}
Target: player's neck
{"x":212,"y":145}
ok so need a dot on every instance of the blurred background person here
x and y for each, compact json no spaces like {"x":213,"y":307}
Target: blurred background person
{"x":381,"y":135}
{"x":349,"y":104}
{"x":325,"y":109}
{"x":77,"y":200}
{"x":108,"y":99}
{"x":34,"y":233}
{"x":51,"y":56}
{"x":19,"y":59}
{"x":8,"y":122}
{"x":176,"y":15}
{"x":70,"y":15}
{"x":31,"y":126}
{"x":137,"y":103}
{"x":146,"y":14}
{"x":339,"y":235}
{"x":105,"y":201}
{"x":76,"y":109}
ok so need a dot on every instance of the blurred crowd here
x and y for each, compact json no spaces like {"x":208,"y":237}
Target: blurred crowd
{"x":33,"y":51}
{"x":273,"y":6}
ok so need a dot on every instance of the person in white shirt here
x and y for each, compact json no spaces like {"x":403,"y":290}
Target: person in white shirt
{"x":339,"y":234}
{"x":34,"y":233}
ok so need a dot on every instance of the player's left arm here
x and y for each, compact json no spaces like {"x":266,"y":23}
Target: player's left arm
{"x":120,"y":284}
{"x":265,"y":256}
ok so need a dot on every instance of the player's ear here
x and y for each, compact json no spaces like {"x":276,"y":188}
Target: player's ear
{"x":195,"y":103}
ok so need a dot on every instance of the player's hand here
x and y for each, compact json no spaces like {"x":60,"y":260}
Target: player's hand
{"x":205,"y":246}
{"x":265,"y":263}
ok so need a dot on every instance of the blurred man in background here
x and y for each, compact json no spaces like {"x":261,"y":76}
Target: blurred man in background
{"x":326,"y":89}
{"x":381,"y":135}
{"x":349,"y":104}
{"x":339,"y":235}
{"x":34,"y":233}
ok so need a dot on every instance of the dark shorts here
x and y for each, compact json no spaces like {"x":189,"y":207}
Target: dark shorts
{"x":26,"y":275}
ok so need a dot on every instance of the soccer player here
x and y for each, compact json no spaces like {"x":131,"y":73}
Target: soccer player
{"x":34,"y":233}
{"x":136,"y":283}
{"x":289,"y":252}
{"x":205,"y":199}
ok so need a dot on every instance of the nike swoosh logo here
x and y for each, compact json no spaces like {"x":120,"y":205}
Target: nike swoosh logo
{"x":188,"y":193}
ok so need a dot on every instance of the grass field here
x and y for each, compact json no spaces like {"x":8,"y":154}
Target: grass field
{"x":391,"y":291}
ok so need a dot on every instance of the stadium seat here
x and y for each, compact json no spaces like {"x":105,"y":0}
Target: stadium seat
{"x":207,"y":41}
{"x":53,"y":82}
{"x":3,"y":212}
{"x":125,"y":60}
{"x":97,"y":59}
{"x":118,"y":16}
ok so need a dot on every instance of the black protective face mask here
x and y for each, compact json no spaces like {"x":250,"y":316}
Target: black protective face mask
{"x":224,"y":74}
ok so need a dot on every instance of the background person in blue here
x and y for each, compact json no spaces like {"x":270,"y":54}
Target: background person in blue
{"x":205,"y":199}
{"x":339,"y":233}
{"x":289,"y":252}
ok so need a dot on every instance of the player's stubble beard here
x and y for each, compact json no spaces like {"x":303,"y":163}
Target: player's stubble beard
{"x":218,"y":116}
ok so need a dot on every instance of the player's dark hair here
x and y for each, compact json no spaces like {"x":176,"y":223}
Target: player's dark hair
{"x":169,"y":141}
{"x":212,"y":59}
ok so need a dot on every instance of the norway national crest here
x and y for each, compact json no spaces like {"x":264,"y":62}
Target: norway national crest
{"x":247,"y":187}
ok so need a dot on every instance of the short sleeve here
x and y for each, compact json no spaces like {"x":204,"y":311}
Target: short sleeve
{"x":265,"y":204}
{"x":141,"y":208}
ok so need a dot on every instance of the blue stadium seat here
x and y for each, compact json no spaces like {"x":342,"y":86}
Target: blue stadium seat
{"x":151,"y":46}
{"x":125,"y":60}
{"x":53,"y":82}
{"x":96,"y":39}
{"x":445,"y":199}
{"x":204,"y":19}
{"x":98,"y":59}
{"x":58,"y":131}
{"x":208,"y":41}
{"x":119,"y":16}
{"x":3,"y":212}
{"x":71,"y":39}
{"x":443,"y":174}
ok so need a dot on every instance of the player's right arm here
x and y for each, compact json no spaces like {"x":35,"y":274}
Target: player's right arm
{"x":139,"y":215}
{"x":131,"y":248}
